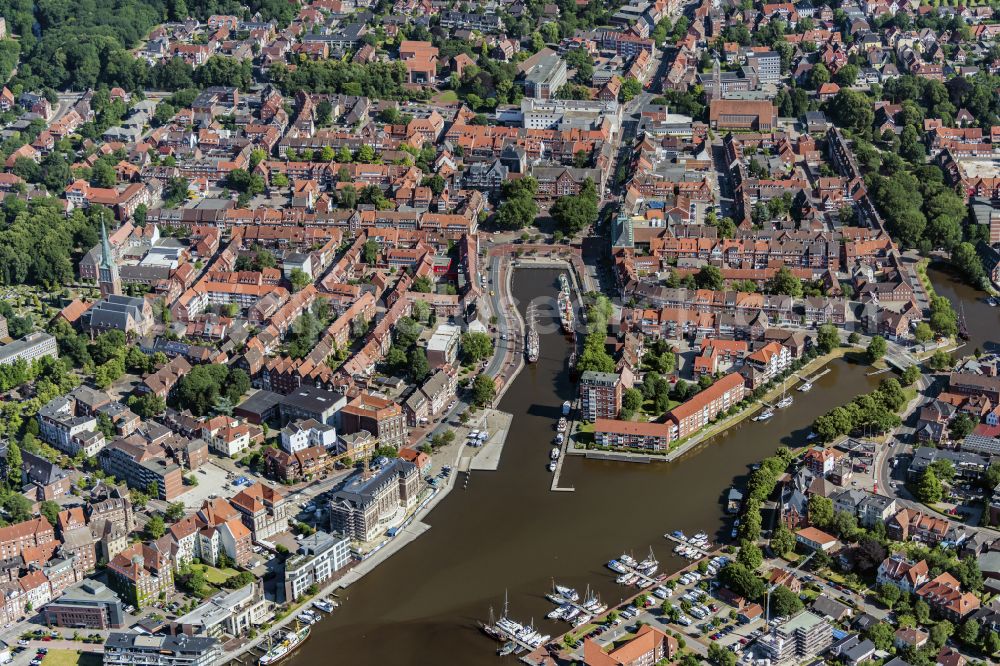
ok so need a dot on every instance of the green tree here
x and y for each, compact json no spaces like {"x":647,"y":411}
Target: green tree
{"x":750,"y":555}
{"x":299,"y":279}
{"x":923,"y":332}
{"x":784,"y":602}
{"x":483,"y":390}
{"x":888,"y":594}
{"x":14,"y":465}
{"x":827,"y":338}
{"x":741,"y":580}
{"x":709,"y":277}
{"x":784,"y":282}
{"x":968,"y":633}
{"x":476,"y":346}
{"x":941,"y":632}
{"x":910,"y":375}
{"x":881,"y":634}
{"x":574,"y":213}
{"x":929,"y":489}
{"x":820,"y":511}
{"x":175,"y":511}
{"x":155,"y":527}
{"x":720,"y":656}
{"x":630,"y":89}
{"x":50,"y":510}
{"x":961,"y":427}
{"x":631,"y":400}
{"x":782,"y":540}
{"x":419,"y":367}
{"x":877,"y":348}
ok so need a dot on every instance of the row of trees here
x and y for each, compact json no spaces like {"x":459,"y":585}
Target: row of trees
{"x":595,"y":354}
{"x":874,"y":413}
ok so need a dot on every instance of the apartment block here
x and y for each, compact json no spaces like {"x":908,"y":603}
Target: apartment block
{"x":320,"y":556}
{"x":600,"y":395}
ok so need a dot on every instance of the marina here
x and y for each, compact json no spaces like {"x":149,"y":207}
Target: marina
{"x":452,"y":556}
{"x":698,"y":545}
{"x":569,"y":608}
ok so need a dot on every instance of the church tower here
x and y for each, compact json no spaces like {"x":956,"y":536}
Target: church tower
{"x":107,"y":270}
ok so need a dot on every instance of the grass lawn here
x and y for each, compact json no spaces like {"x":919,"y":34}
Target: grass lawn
{"x":446,"y":97}
{"x":71,"y":658}
{"x":213,"y":575}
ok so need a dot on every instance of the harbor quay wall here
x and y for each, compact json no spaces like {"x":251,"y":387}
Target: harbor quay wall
{"x":617,"y":456}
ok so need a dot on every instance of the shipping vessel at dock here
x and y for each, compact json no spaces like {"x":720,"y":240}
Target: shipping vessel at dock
{"x":531,"y":347}
{"x":565,"y":303}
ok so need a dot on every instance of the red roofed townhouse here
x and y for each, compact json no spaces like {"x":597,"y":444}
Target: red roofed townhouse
{"x":944,"y":595}
{"x":139,"y":574}
{"x":897,"y":570}
{"x":263,"y":509}
{"x":123,"y":202}
{"x":909,"y":524}
{"x":698,"y":411}
{"x":29,"y":534}
{"x":37,"y":590}
{"x":381,"y":417}
{"x":649,"y":646}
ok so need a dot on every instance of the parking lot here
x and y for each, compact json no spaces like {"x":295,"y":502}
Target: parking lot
{"x":687,"y":606}
{"x":212,"y":480}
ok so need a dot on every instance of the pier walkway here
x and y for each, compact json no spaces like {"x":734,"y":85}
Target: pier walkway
{"x":701,"y":551}
{"x":555,"y":487}
{"x":811,"y":380}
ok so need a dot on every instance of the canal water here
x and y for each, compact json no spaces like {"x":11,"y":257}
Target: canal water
{"x":982,"y":320}
{"x":508,"y":532}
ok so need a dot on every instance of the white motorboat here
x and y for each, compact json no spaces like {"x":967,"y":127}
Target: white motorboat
{"x":617,"y":567}
{"x":567,"y":593}
{"x":805,"y":388}
{"x":764,"y":415}
{"x":785,"y":402}
{"x":552,"y":466}
{"x":627,"y":560}
{"x":582,"y":620}
{"x":556,"y":614}
{"x":554,"y":454}
{"x":323,"y":605}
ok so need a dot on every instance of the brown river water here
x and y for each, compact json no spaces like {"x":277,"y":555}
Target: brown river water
{"x":508,"y":532}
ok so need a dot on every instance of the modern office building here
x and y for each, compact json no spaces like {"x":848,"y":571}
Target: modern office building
{"x":320,"y":556}
{"x":87,"y":605}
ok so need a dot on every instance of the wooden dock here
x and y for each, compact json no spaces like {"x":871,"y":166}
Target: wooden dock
{"x":813,"y":379}
{"x":555,"y":487}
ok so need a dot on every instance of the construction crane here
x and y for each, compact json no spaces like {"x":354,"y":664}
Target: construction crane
{"x":767,"y":613}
